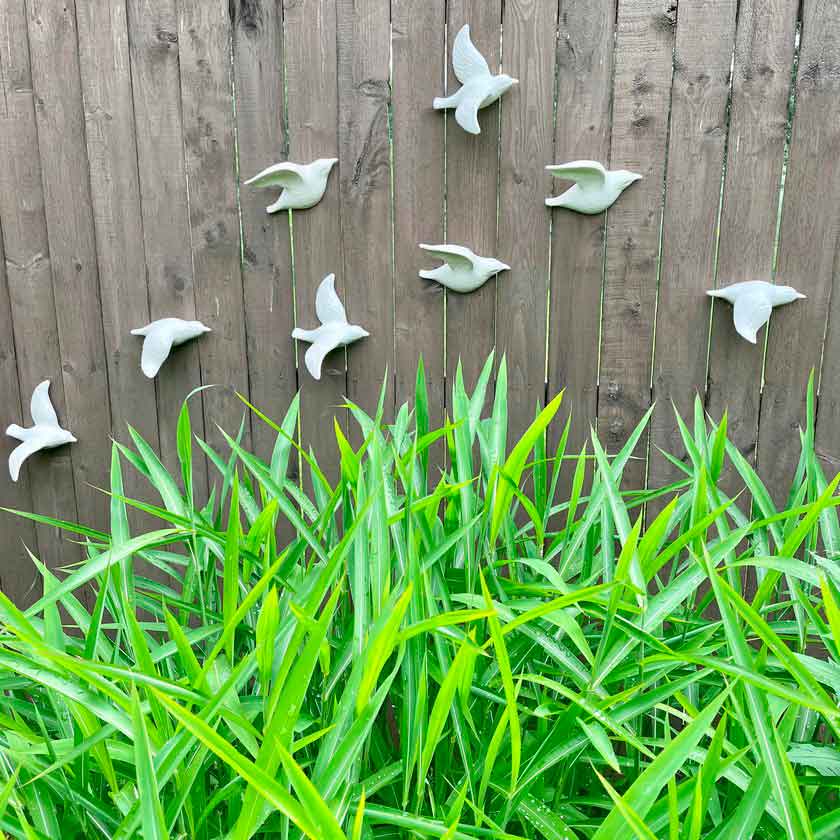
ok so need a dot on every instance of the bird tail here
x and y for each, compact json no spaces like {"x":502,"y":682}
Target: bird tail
{"x":16,"y":432}
{"x":442,"y":102}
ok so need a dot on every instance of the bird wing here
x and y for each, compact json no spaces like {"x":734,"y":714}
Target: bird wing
{"x":751,"y":312}
{"x":585,"y":173}
{"x":316,"y":353}
{"x":41,"y":407}
{"x":21,"y":453}
{"x":467,"y":61}
{"x":466,"y":114}
{"x":456,"y":257}
{"x":279,"y":175}
{"x":328,"y":307}
{"x":156,"y":348}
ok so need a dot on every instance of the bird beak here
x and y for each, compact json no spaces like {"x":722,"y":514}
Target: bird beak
{"x":207,"y":329}
{"x":800,"y":295}
{"x":73,"y":439}
{"x":504,"y":267}
{"x":514,"y":81}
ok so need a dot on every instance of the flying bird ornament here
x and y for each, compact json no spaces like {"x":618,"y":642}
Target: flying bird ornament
{"x":462,"y":270}
{"x":335,"y":331}
{"x":595,"y":188}
{"x":161,"y":336}
{"x":302,"y":185}
{"x":46,"y":433}
{"x":753,"y":302}
{"x":479,"y":87}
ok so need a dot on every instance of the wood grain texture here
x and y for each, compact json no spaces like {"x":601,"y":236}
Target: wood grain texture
{"x":764,"y":46}
{"x":702,"y":59}
{"x":266,"y":248}
{"x":584,"y":109}
{"x":312,"y":110}
{"x":29,"y":279}
{"x":155,"y":75}
{"x":364,"y":95}
{"x":72,"y":246}
{"x":118,"y":219}
{"x":419,"y":75}
{"x":641,"y":96}
{"x":527,"y":145}
{"x":17,"y":574}
{"x":472,"y":175}
{"x":807,"y":246}
{"x":204,"y":31}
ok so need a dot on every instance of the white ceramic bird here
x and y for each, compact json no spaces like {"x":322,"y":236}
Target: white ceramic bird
{"x":753,"y":302}
{"x":44,"y":434}
{"x":462,"y":271}
{"x":335,"y":331}
{"x":303,"y":184}
{"x":161,"y":336}
{"x":480,"y":87}
{"x":595,"y":188}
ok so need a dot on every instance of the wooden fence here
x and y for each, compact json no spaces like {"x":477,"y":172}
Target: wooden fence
{"x":128,"y":126}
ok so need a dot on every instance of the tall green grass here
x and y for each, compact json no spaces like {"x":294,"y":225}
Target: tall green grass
{"x":411,"y":651}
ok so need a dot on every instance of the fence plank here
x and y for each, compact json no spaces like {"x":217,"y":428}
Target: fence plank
{"x":527,"y":145}
{"x":807,"y":246}
{"x":758,"y":114}
{"x":67,"y":200}
{"x":312,"y":111}
{"x":155,"y":75}
{"x":699,"y":95}
{"x":115,"y":192}
{"x":584,"y":111}
{"x":17,"y":574}
{"x":641,"y":96}
{"x":206,"y":98}
{"x":266,"y":263}
{"x":419,"y":73}
{"x":364,"y":153}
{"x":472,"y":173}
{"x":29,"y":278}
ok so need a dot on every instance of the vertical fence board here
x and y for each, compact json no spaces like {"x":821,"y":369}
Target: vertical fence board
{"x":527,"y":145}
{"x":699,"y":96}
{"x":312,"y":109}
{"x":364,"y":151}
{"x":210,"y":155}
{"x":472,"y":174}
{"x":155,"y":75}
{"x":16,"y":572}
{"x":641,"y":96}
{"x":266,"y":263}
{"x":29,"y":279}
{"x":115,"y":191}
{"x":70,"y":230}
{"x":807,"y":245}
{"x":758,"y":114}
{"x":584,"y":99}
{"x":419,"y":74}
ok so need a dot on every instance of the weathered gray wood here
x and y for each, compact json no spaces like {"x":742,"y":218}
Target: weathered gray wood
{"x":527,"y":145}
{"x":17,"y":574}
{"x":758,"y":114}
{"x":807,"y":246}
{"x":364,"y":153}
{"x":641,"y":96}
{"x":419,"y":74}
{"x":67,"y":200}
{"x":266,"y":253}
{"x":29,"y":279}
{"x":702,"y":59}
{"x":204,"y":31}
{"x":153,"y":38}
{"x":472,"y":174}
{"x":584,"y":108}
{"x":115,"y":192}
{"x":312,"y":109}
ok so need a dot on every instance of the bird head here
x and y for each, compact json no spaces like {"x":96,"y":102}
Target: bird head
{"x":325,"y":165}
{"x":199,"y":327}
{"x":65,"y":437}
{"x":626,"y":177}
{"x":356,"y":332}
{"x":504,"y":83}
{"x":787,"y":294}
{"x":497,"y":266}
